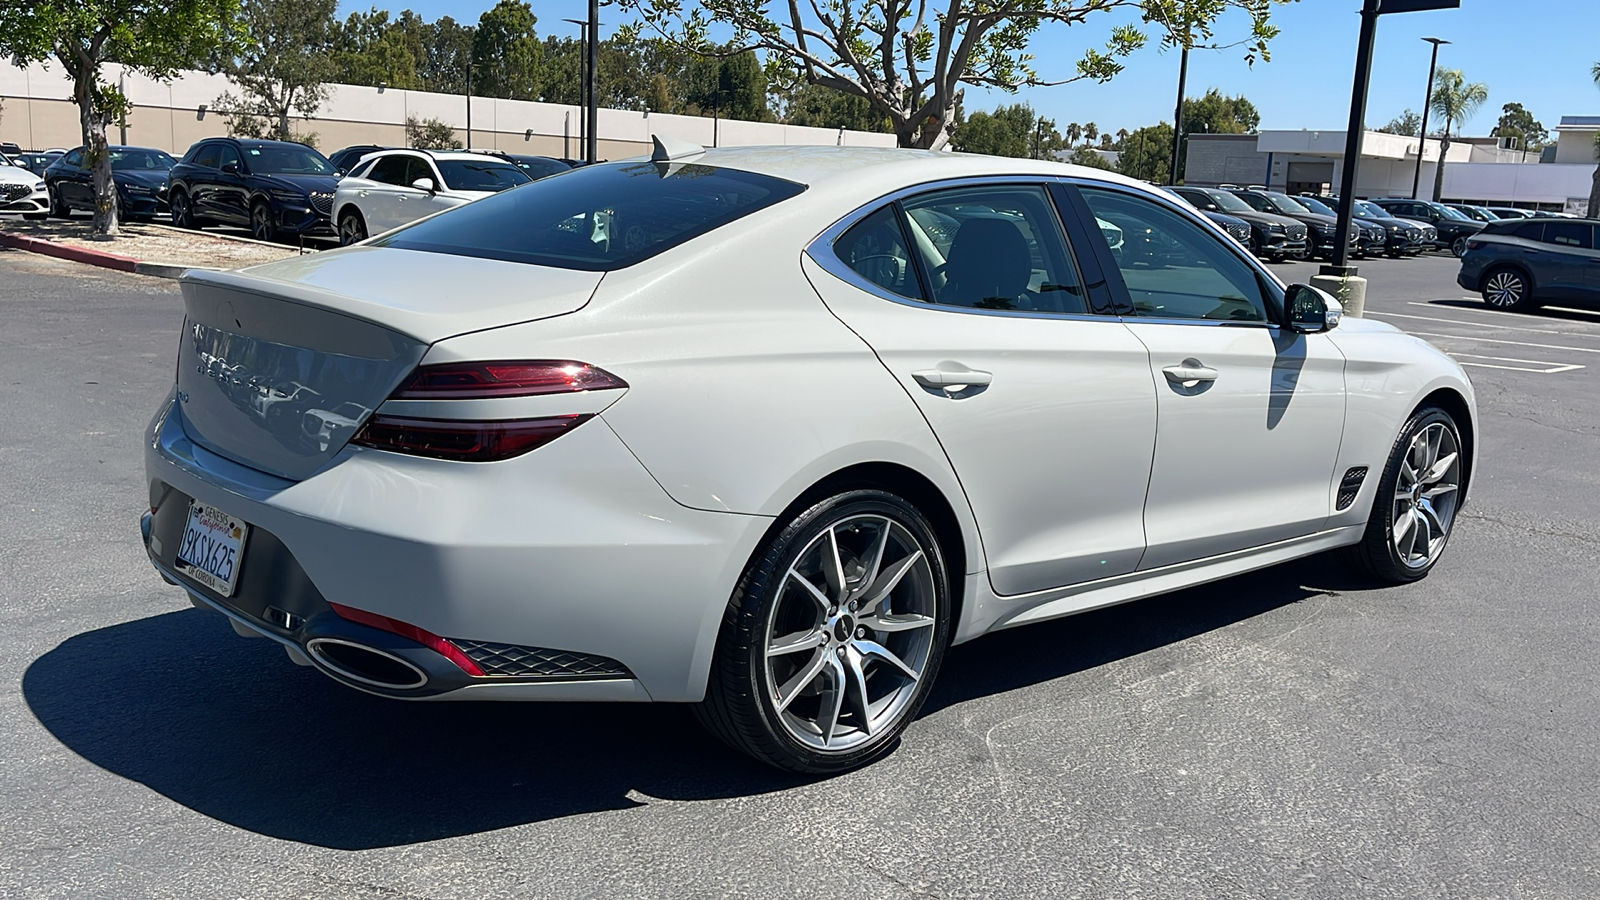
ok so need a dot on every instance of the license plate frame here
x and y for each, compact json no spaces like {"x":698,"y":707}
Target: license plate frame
{"x":212,"y":548}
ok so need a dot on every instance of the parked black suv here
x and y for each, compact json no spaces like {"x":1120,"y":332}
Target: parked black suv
{"x":1320,"y":228}
{"x":1401,"y":237}
{"x":344,"y":161}
{"x":1272,"y":236}
{"x":1518,"y":264}
{"x":140,"y":174}
{"x":1454,"y":228}
{"x":1370,"y":239}
{"x":272,"y":187}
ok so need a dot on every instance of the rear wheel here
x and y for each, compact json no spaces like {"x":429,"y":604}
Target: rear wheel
{"x":1417,"y":499}
{"x":833,"y":638}
{"x":1508,"y":289}
{"x":352,"y":228}
{"x":261,"y":225}
{"x":1459,"y":247}
{"x":182,"y":210}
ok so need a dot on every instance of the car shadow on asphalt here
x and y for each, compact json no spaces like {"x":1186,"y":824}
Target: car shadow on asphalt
{"x":229,"y":728}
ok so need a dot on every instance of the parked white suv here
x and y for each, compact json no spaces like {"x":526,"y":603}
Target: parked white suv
{"x":389,"y":188}
{"x":21,"y":191}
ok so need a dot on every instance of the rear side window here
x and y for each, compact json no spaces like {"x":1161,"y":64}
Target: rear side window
{"x":1576,"y":235}
{"x":389,"y":170}
{"x":875,"y":248}
{"x":207,"y":156}
{"x":597,"y":218}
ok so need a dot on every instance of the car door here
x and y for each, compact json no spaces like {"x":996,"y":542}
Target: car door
{"x":1250,"y":415}
{"x":378,"y":201}
{"x":201,"y":179}
{"x":75,"y":184}
{"x":231,"y":194}
{"x":973,"y":301}
{"x":1568,"y":263}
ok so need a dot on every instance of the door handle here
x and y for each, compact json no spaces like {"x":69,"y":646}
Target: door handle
{"x":938,"y":378}
{"x":1189,"y":372}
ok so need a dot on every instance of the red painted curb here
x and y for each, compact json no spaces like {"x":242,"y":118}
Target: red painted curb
{"x":67,"y":251}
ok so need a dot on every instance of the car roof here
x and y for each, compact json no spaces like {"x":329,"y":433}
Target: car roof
{"x":432,"y":154}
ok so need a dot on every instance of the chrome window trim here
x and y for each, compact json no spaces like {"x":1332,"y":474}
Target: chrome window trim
{"x":821,"y":247}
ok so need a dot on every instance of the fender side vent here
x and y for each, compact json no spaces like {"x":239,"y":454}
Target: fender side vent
{"x":1350,"y":486}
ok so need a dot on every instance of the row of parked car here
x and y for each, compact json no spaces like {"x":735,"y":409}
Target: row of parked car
{"x":277,"y":189}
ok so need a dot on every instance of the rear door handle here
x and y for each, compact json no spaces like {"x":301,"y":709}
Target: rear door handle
{"x":939,"y":378}
{"x":1189,"y":372}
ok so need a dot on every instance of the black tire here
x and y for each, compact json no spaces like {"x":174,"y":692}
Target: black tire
{"x":352,"y":227}
{"x":58,"y":208}
{"x":262,"y":228}
{"x":1509,"y":289}
{"x":1458,"y":247}
{"x":182,"y":210}
{"x":739,"y":706}
{"x":1378,"y":555}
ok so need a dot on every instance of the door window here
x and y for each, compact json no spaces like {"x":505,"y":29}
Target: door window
{"x":389,"y":170}
{"x":228,"y":156}
{"x":1573,"y":235}
{"x":1172,"y":267}
{"x":417,"y":167}
{"x":875,"y":248}
{"x":207,"y":156}
{"x":75,"y":159}
{"x":993,"y":248}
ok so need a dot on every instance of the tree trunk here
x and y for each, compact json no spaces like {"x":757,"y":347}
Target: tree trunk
{"x":1438,"y":175}
{"x":94,"y":121}
{"x":1594,"y":195}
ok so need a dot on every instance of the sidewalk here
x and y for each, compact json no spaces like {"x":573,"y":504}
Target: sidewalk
{"x":147,"y":249}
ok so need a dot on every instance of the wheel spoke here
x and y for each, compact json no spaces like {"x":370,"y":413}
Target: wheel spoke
{"x":878,"y":552}
{"x":1408,"y":472}
{"x":856,"y":692}
{"x":887,"y":582}
{"x":832,"y":699}
{"x":1431,"y":516}
{"x":1434,"y":435}
{"x":1439,"y":490}
{"x":1441,"y":467}
{"x":802,"y":679}
{"x":794,"y":643}
{"x":875,"y":650}
{"x":833,"y":566}
{"x":907,"y":622}
{"x":811,"y":589}
{"x":1403,"y":526}
{"x":1419,"y":532}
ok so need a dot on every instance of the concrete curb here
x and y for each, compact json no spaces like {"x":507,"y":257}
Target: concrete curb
{"x":67,"y":251}
{"x":225,"y":237}
{"x":169,"y":270}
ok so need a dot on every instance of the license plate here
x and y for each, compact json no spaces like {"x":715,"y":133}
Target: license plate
{"x":213,"y":542}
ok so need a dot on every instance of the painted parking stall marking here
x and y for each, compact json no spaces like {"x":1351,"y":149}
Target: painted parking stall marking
{"x":1461,"y":333}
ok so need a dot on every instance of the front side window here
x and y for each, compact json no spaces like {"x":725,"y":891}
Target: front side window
{"x":1172,"y":267}
{"x":597,"y":218}
{"x":994,"y":248}
{"x":417,"y":167}
{"x":75,"y":158}
{"x":227,"y":156}
{"x":875,"y":248}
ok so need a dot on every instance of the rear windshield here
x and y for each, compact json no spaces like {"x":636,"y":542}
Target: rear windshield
{"x":480,"y":175}
{"x":596,"y":218}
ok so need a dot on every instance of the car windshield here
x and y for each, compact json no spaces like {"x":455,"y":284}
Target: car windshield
{"x":1449,"y":213}
{"x":1317,"y":206}
{"x":1286,"y":204}
{"x":597,"y":218}
{"x":286,"y":160}
{"x":480,"y":175}
{"x":141,"y":160}
{"x":1371,"y":210}
{"x":1228,"y":202}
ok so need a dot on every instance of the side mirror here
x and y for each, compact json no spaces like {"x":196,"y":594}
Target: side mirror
{"x":1307,"y":310}
{"x":230,"y":168}
{"x":424,"y":184}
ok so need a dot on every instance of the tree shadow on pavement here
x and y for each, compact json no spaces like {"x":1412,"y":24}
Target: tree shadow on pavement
{"x":229,"y":728}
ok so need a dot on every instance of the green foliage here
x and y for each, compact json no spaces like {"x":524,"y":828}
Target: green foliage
{"x":1408,"y":124}
{"x":820,"y":107}
{"x":156,"y":38}
{"x":911,"y":58}
{"x":1454,"y":100}
{"x":283,"y":68}
{"x":1146,"y":154}
{"x":1214,"y":113}
{"x":1086,"y":156}
{"x":1013,"y":130}
{"x":1517,"y":122}
{"x":507,"y":53}
{"x":430,"y":134}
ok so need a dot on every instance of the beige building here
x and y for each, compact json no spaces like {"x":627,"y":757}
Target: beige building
{"x":38,"y":114}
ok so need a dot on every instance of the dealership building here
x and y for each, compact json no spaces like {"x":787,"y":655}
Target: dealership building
{"x":1476,"y":170}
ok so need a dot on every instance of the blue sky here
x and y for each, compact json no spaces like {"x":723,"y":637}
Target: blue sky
{"x":1534,"y":52}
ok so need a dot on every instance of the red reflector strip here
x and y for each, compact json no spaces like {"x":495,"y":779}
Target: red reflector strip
{"x":505,"y":379}
{"x":464,"y":440}
{"x":411,"y":633}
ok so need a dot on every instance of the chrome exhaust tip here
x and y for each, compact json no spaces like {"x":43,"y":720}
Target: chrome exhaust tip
{"x":365,"y":665}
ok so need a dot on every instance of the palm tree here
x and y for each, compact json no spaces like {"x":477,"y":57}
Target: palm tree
{"x":1072,"y":132}
{"x":1091,"y":132}
{"x":1594,"y":190}
{"x":1454,"y":101}
{"x":1122,"y":135}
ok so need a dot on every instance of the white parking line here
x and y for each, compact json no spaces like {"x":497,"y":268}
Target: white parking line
{"x":1552,"y":368}
{"x":1496,"y":312}
{"x":1479,"y":340}
{"x":1495,"y":325}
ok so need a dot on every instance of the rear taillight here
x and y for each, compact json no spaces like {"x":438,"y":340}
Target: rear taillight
{"x":479,"y":440}
{"x":505,"y":379}
{"x":1476,"y":245}
{"x":411,"y":633}
{"x":463,"y":440}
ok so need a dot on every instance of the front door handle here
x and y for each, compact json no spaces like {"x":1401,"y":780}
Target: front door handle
{"x":1189,"y":373}
{"x":939,"y":378}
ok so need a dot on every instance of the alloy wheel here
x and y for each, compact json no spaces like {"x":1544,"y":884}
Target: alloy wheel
{"x":1505,"y":290}
{"x":1458,"y":247}
{"x":351,"y":230}
{"x":261,"y":222}
{"x":1426,"y":495}
{"x":851,"y":633}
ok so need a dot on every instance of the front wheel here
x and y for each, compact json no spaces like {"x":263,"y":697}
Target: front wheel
{"x":58,"y":207}
{"x":833,"y":637}
{"x":261,"y":225}
{"x":1417,"y":500}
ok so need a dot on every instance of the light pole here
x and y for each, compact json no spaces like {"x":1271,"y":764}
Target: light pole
{"x":122,"y":120}
{"x":1177,"y":115}
{"x":593,"y":62}
{"x":470,"y":66}
{"x":583,"y":85}
{"x":1422,"y":135}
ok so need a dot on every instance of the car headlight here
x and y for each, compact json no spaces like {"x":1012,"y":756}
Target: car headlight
{"x":287,"y":196}
{"x":38,"y":186}
{"x":139,"y":189}
{"x":1275,"y":228}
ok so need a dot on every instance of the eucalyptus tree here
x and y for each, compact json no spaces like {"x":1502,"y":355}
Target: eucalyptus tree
{"x":155,"y":38}
{"x":912,"y":58}
{"x":1454,"y":101}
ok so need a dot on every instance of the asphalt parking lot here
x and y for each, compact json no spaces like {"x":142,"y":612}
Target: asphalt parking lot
{"x":1294,"y":733}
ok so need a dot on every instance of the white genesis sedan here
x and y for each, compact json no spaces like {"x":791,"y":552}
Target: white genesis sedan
{"x":767,"y":430}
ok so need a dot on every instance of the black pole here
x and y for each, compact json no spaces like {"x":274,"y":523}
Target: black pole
{"x":469,"y":105}
{"x":1352,"y":141}
{"x":593,"y":65}
{"x":1177,"y":115}
{"x":1422,"y":133}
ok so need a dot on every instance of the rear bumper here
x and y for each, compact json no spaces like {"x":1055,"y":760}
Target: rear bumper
{"x":570,"y":548}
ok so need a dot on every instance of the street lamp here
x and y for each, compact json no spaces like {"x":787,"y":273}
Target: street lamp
{"x":471,"y":67}
{"x":589,"y":79}
{"x":583,"y":84}
{"x":1422,"y":135}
